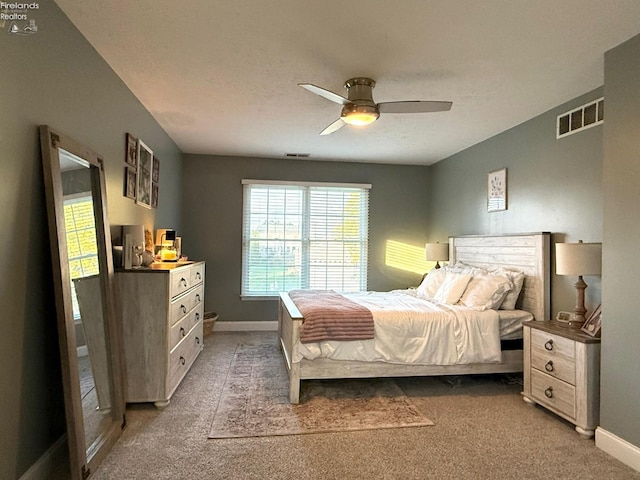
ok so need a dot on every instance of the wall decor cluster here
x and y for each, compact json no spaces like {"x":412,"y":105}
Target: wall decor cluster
{"x":497,"y":190}
{"x":142,"y":173}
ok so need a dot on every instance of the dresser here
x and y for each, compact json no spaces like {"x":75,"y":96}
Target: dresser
{"x":562,"y":373}
{"x":162,"y":309}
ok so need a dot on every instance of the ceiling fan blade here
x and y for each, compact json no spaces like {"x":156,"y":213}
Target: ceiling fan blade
{"x":337,"y":125}
{"x":414,"y":106}
{"x":333,"y":97}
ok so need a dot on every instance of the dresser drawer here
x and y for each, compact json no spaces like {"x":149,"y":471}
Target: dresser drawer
{"x":182,"y":305}
{"x":197,"y":273}
{"x":180,"y":280}
{"x":553,"y":393}
{"x":182,"y":357}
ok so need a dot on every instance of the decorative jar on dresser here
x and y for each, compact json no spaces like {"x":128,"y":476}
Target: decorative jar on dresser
{"x":162,"y":309}
{"x":562,"y":372}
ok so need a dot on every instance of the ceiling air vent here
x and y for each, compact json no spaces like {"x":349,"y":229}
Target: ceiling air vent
{"x":581,"y":118}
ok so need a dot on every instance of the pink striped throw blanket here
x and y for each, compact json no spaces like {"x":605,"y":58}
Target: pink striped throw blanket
{"x":331,"y":316}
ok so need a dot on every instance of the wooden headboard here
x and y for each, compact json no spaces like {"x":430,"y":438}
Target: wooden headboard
{"x":527,"y":252}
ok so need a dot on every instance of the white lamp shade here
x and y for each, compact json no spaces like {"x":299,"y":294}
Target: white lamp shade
{"x":578,"y":259}
{"x":437,"y":252}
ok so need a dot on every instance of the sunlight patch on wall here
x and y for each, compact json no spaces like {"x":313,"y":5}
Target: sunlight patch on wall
{"x":406,"y":257}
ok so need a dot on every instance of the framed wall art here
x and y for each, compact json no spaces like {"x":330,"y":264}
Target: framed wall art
{"x":130,"y":182}
{"x":145,"y":166}
{"x":497,"y":190}
{"x":131,"y":150}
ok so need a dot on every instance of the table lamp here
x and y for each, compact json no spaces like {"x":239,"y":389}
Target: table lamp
{"x":437,"y":252}
{"x":579,"y":259}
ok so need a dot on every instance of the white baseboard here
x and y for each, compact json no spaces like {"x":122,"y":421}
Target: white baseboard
{"x":245,"y":326}
{"x":618,"y":448}
{"x":55,"y":456}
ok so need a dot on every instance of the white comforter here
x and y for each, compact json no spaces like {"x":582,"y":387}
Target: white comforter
{"x":411,"y":330}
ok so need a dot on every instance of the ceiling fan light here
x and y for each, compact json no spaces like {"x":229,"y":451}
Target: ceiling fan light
{"x":359,"y":114}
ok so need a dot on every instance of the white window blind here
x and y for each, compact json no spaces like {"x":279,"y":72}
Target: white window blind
{"x":304,"y":236}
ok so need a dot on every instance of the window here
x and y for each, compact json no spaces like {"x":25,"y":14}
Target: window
{"x":304,"y":236}
{"x":82,"y":244}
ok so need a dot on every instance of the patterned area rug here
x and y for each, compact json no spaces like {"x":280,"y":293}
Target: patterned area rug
{"x":255,"y":401}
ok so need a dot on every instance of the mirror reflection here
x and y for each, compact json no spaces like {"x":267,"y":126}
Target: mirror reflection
{"x":86,"y":294}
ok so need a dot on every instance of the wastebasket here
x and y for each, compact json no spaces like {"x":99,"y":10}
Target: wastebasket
{"x":208,"y":322}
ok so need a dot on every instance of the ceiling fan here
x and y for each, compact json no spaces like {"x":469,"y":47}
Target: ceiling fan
{"x":360,"y":109}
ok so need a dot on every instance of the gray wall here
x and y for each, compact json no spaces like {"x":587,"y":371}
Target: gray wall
{"x":212,"y":219}
{"x":620,"y":387}
{"x":553,"y":185}
{"x":54,"y":77}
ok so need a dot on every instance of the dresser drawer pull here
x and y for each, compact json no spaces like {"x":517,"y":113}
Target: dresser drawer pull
{"x":198,"y":297}
{"x":549,"y":366}
{"x":197,"y":316}
{"x":182,"y":360}
{"x":198,"y":276}
{"x":183,"y":281}
{"x":197,"y":340}
{"x":183,"y":309}
{"x":549,"y":345}
{"x":182,"y":331}
{"x":549,"y":392}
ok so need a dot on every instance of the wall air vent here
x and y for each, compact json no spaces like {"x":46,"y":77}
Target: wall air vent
{"x":297,"y":155}
{"x":581,"y":118}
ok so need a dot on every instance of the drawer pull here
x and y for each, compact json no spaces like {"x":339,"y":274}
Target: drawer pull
{"x":549,"y":366}
{"x":198,"y":276}
{"x":197,"y":340}
{"x":182,"y":360}
{"x":549,"y":392}
{"x":182,"y":331}
{"x":198,"y":297}
{"x":197,"y":316}
{"x":183,"y":281}
{"x":183,"y":309}
{"x":549,"y":345}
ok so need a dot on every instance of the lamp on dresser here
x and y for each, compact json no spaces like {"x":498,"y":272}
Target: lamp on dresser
{"x":578,"y":259}
{"x":437,"y":252}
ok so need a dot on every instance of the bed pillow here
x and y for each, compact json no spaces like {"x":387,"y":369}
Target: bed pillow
{"x":486,"y":291}
{"x":452,"y":288}
{"x":431,"y":283}
{"x":517,"y":278}
{"x":464,"y":268}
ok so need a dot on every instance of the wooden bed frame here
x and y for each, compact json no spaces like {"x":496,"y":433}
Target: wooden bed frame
{"x":528,"y":252}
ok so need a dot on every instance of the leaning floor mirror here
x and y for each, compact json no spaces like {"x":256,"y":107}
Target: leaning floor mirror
{"x":82,"y":275}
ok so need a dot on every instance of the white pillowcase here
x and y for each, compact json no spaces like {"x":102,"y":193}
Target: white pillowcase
{"x":452,"y":288}
{"x":517,"y":278}
{"x":486,"y":291}
{"x":431,"y":283}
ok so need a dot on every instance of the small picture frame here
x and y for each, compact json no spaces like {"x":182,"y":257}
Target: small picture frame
{"x":497,"y":190}
{"x":130,"y":182}
{"x":592,"y":325}
{"x":155,"y":174}
{"x":145,"y":165}
{"x":155,"y":192}
{"x":131,"y":150}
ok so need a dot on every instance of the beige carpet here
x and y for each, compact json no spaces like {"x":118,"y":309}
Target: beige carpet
{"x":255,"y":401}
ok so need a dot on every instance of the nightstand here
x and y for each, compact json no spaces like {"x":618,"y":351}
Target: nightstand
{"x":562,"y":373}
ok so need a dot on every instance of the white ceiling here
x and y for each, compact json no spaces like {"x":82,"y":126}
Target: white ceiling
{"x":220,"y":76}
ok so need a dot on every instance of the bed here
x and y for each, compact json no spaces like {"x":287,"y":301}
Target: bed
{"x":528,"y":253}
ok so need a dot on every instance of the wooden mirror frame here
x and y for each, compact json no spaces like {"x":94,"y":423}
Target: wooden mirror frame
{"x":83,"y":458}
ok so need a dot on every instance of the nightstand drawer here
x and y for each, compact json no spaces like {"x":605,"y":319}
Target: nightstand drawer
{"x":555,"y":365}
{"x":547,"y":346}
{"x":554,"y":393}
